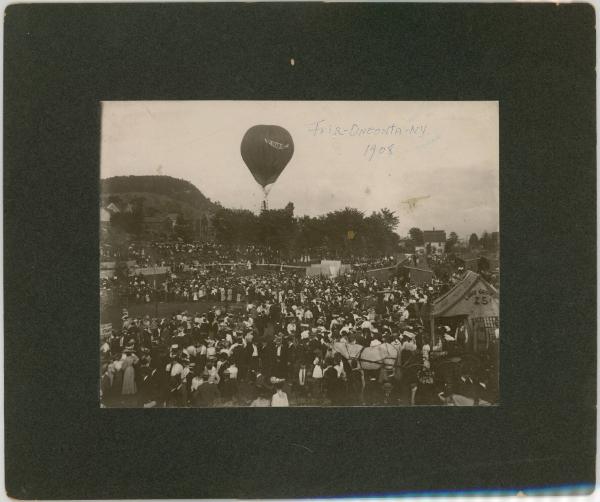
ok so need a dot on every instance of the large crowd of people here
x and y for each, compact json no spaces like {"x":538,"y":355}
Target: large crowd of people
{"x":202,"y":271}
{"x":270,"y":340}
{"x":179,"y":254}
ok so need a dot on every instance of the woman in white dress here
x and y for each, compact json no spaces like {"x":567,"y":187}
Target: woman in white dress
{"x":280,"y":398}
{"x":317,"y":378}
{"x":128,"y":361}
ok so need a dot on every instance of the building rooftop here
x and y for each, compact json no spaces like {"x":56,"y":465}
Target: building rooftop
{"x":434,"y":236}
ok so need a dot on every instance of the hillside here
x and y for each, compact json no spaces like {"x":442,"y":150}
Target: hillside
{"x":161,"y":194}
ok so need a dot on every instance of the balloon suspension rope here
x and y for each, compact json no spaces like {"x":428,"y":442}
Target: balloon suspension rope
{"x":265,"y":202}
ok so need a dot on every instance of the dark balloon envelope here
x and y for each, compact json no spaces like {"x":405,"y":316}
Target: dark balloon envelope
{"x":266,"y":150}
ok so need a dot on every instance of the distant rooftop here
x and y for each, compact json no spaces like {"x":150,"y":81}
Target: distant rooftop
{"x":113,"y":208}
{"x":434,"y":236}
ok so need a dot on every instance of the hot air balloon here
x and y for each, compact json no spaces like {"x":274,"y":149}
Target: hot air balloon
{"x":266,"y":150}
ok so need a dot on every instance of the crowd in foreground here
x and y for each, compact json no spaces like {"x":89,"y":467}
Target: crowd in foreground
{"x":280,"y":350}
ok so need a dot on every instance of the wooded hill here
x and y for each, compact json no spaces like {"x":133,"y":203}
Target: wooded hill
{"x":158,"y":195}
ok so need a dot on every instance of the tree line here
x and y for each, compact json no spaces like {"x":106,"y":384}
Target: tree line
{"x":132,"y":221}
{"x":487,"y":241}
{"x":343,"y":233}
{"x":337,"y":234}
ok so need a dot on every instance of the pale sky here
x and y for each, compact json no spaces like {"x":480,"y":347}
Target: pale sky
{"x":445,"y":151}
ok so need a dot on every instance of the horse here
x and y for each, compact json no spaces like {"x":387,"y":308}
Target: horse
{"x":384,"y":355}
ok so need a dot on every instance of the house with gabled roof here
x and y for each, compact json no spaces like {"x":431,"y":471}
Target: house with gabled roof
{"x":113,"y":208}
{"x":436,"y":239}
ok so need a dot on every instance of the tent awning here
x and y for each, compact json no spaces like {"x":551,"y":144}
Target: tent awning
{"x":473,"y":297}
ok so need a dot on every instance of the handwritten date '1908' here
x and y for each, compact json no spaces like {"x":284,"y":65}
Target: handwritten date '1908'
{"x":373,"y":150}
